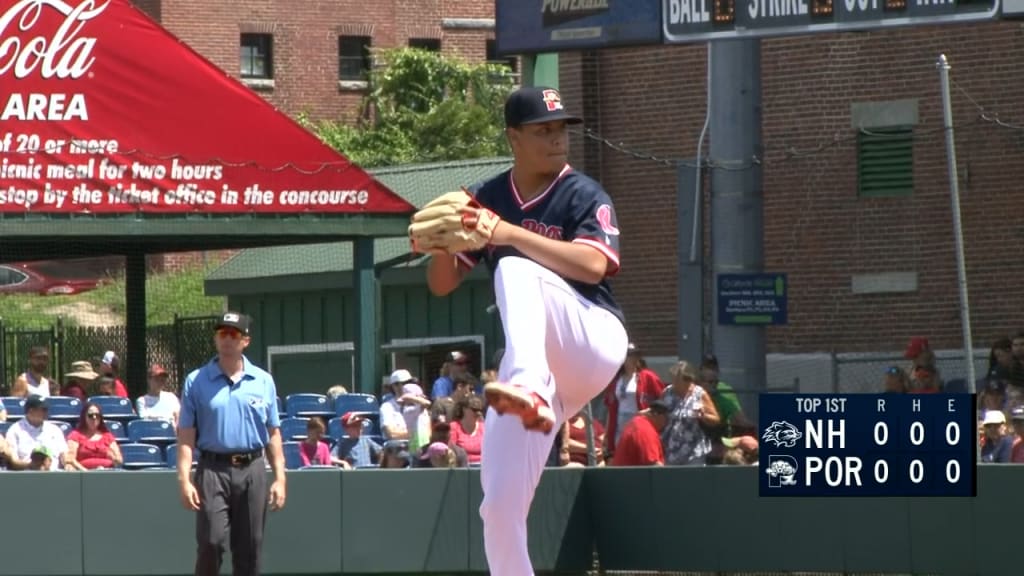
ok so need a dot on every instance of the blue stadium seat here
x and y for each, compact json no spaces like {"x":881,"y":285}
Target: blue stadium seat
{"x":151,"y":431}
{"x":65,"y":426}
{"x":292,"y":456}
{"x":280,"y":408}
{"x":64,"y":408}
{"x":355,"y":403}
{"x":117,"y":429}
{"x":299,"y":405}
{"x":4,"y":426}
{"x":15,"y":406}
{"x":114,"y":407}
{"x":293,"y":428}
{"x":171,"y":456}
{"x":139,"y":456}
{"x":335,"y":429}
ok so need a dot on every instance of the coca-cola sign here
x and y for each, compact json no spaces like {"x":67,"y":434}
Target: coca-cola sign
{"x":61,"y":52}
{"x":104,"y":111}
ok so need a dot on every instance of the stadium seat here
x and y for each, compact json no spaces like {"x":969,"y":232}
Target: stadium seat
{"x":139,"y":456}
{"x":280,"y":408}
{"x":114,"y":407}
{"x":299,"y":405}
{"x":117,"y":429}
{"x":4,"y":426}
{"x":66,"y":408}
{"x":65,"y":426}
{"x":151,"y":431}
{"x":355,"y":403}
{"x":171,"y":456}
{"x":292,"y":456}
{"x":15,"y":406}
{"x":293,"y":428}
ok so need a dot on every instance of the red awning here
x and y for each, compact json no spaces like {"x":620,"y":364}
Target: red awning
{"x":104,"y":111}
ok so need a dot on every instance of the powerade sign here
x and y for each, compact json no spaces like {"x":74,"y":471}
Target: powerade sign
{"x":532,"y":26}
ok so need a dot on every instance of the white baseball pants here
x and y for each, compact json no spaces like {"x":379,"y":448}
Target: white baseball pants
{"x":567,"y":350}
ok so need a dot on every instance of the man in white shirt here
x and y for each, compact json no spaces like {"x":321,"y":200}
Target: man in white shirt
{"x":33,"y":431}
{"x":392,"y":421}
{"x":158,"y":403}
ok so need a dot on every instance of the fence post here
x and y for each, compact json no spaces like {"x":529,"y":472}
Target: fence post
{"x":178,"y":362}
{"x":57,"y":347}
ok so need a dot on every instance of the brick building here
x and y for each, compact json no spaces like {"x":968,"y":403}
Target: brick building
{"x":311,"y":57}
{"x":871,"y":261}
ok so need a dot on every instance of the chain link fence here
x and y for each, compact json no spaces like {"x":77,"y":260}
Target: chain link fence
{"x":179,"y":347}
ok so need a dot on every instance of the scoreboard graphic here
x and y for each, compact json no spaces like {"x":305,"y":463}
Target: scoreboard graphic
{"x":868,"y":445}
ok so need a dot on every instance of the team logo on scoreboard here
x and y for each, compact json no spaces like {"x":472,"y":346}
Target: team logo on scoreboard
{"x":782,"y":434}
{"x":781,"y":471}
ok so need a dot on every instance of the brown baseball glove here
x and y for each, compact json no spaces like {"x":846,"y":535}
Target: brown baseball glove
{"x":453,"y":222}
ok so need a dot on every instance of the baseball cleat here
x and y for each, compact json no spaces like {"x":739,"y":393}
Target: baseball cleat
{"x":519,"y":401}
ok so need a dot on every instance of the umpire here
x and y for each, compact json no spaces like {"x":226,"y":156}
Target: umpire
{"x":229,"y":412}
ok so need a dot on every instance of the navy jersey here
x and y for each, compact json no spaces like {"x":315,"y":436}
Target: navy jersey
{"x":573,"y":208}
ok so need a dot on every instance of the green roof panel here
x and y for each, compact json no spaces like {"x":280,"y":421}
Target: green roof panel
{"x":417,"y":183}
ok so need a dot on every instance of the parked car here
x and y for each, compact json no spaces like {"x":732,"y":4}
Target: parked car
{"x":49,"y":277}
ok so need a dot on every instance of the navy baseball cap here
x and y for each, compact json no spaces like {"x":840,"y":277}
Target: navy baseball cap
{"x":536,"y":104}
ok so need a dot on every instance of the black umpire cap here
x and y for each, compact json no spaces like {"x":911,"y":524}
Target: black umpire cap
{"x":236,"y":320}
{"x":536,"y":104}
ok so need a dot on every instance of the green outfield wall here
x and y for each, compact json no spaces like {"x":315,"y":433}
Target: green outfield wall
{"x":426,"y":521}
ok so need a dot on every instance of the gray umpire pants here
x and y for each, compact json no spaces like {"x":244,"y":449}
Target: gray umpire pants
{"x":232,"y":510}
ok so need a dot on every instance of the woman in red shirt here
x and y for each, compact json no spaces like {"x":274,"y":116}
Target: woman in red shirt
{"x":467,"y":428}
{"x":91,"y":445}
{"x":630,"y":392}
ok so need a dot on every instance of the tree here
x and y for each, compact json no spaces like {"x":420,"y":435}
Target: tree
{"x":422,"y":107}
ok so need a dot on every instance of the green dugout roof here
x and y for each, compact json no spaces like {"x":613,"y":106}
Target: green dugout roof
{"x":329,"y":265}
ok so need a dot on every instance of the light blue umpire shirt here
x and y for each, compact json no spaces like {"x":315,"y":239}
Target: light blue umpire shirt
{"x":229,"y":418}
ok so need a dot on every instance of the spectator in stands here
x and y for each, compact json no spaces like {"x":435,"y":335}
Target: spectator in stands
{"x":438,"y":455}
{"x":467,"y":429}
{"x":358,"y":450}
{"x":91,"y":445}
{"x":455,"y":364}
{"x":41,"y":460}
{"x":640,"y":442}
{"x":1000,"y":359}
{"x":992,"y":397}
{"x":7,"y":459}
{"x":157,"y":403}
{"x":632,"y":390}
{"x":80,"y":380}
{"x":465,"y":384}
{"x":441,"y":432}
{"x":996,"y":443}
{"x":442,"y":410}
{"x":110,"y":366}
{"x":1017,"y":451}
{"x":34,"y":431}
{"x":573,"y":450}
{"x":313,"y":450}
{"x":392,"y":423}
{"x":896,"y":380}
{"x":925,"y":378}
{"x":396,"y":455}
{"x":416,"y":412}
{"x":916,"y":346}
{"x":337,"y":390}
{"x":740,"y":451}
{"x":685,"y":439}
{"x":34,"y":381}
{"x":727,"y":403}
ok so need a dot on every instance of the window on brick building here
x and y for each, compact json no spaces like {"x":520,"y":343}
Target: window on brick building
{"x":885,"y":162}
{"x":429,"y":44}
{"x":257,"y":56}
{"x":493,"y":58}
{"x":354,"y":59}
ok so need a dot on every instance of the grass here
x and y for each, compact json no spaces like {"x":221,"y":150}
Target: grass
{"x":167,"y":294}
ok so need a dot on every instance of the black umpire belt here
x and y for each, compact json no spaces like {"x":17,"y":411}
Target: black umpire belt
{"x":239,"y":459}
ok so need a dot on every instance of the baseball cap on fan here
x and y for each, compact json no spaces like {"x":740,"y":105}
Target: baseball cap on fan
{"x":536,"y":104}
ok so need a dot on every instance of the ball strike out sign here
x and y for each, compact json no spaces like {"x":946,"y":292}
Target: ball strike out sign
{"x":103,"y":111}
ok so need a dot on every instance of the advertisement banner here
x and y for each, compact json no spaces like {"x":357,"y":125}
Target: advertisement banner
{"x":104,"y":111}
{"x":531,"y":26}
